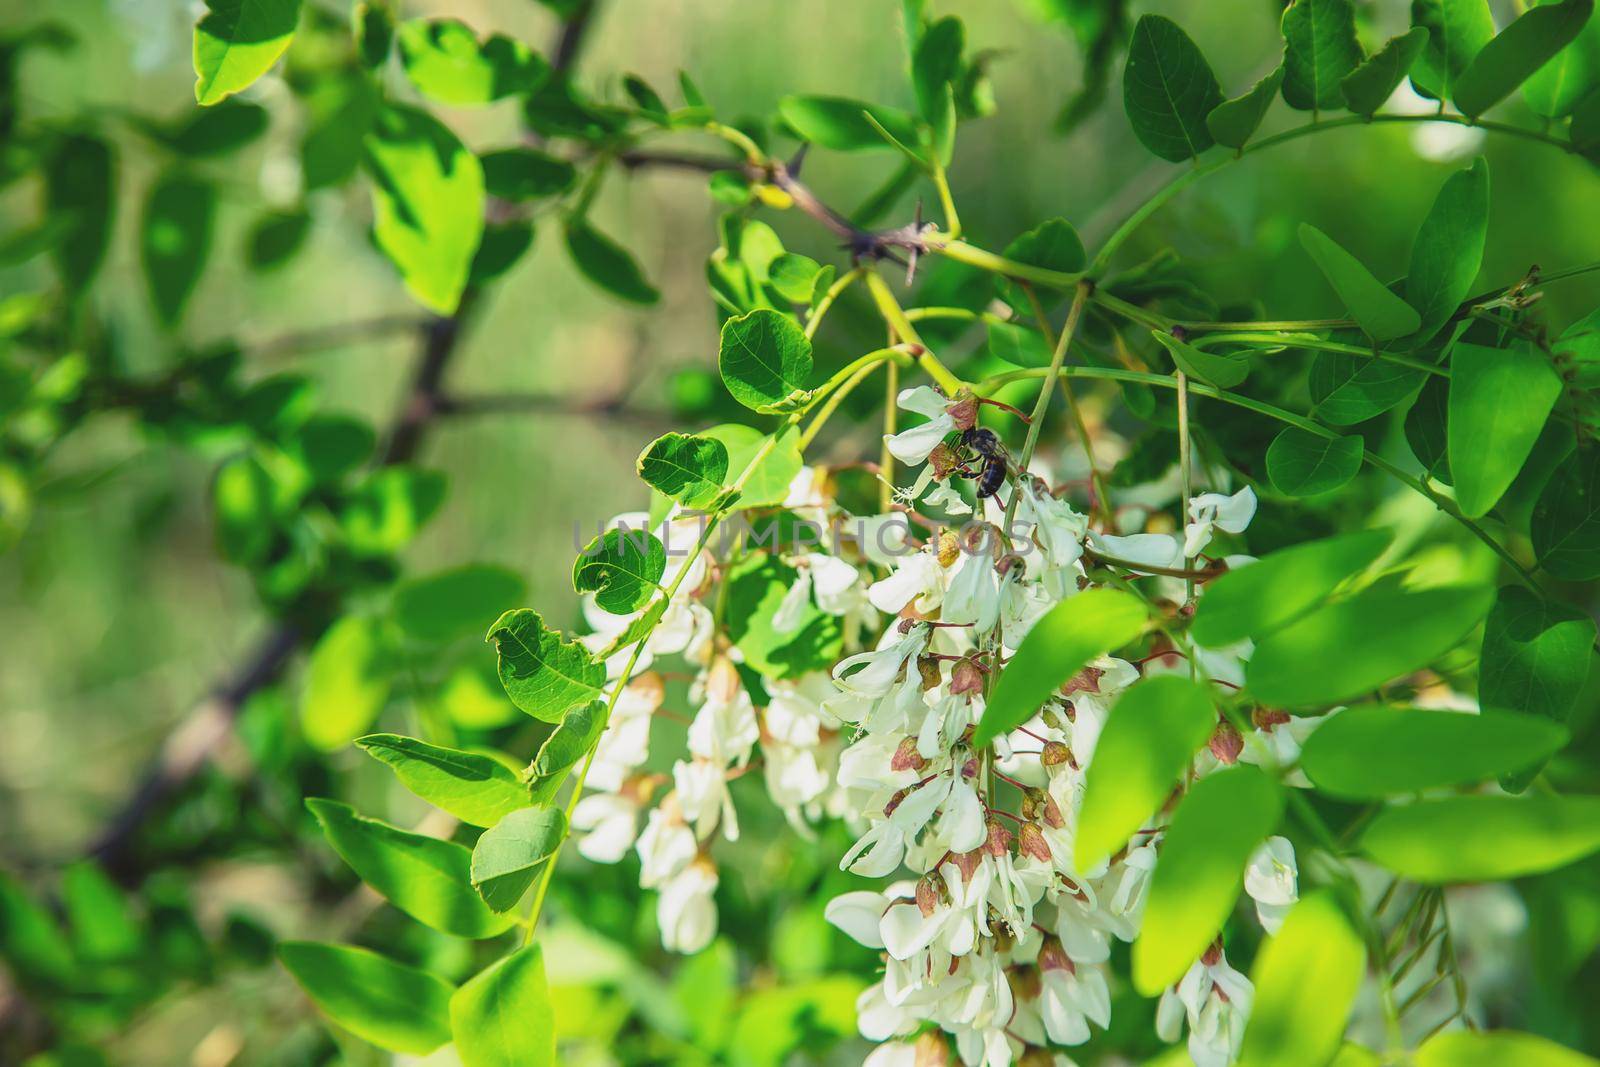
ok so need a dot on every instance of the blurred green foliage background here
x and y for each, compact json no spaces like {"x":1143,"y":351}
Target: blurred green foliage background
{"x":115,"y":612}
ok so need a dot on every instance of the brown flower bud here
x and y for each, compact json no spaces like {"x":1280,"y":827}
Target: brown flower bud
{"x":1024,"y":982}
{"x":1052,"y":813}
{"x":964,"y":412}
{"x":1267,"y":718}
{"x":1055,"y":754}
{"x":1032,"y":842}
{"x":966,"y":677}
{"x":927,"y":895}
{"x":1213,"y":953}
{"x":1086,"y":680}
{"x":906,"y":757}
{"x":999,"y":842}
{"x":968,"y":863}
{"x":1053,"y":957}
{"x":969,"y":769}
{"x":949,"y":548}
{"x":1226,"y":744}
{"x":928,"y":667}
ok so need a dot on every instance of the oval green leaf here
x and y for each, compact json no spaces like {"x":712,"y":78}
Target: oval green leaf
{"x":841,"y":124}
{"x":689,"y":468}
{"x":451,"y":603}
{"x":1373,"y":751}
{"x":392,"y":1005}
{"x":1071,"y":634}
{"x":1306,"y":977}
{"x":1233,"y":121}
{"x":1499,"y":401}
{"x":621,"y":568}
{"x":1566,"y":519}
{"x":475,"y":789}
{"x":1448,"y":250}
{"x":1154,"y":730}
{"x":175,"y":239}
{"x":1517,"y":52}
{"x":509,"y":855}
{"x":1320,"y":50}
{"x":503,"y":1017}
{"x":544,"y":674}
{"x":1483,"y":838}
{"x":608,"y":264}
{"x":1379,"y":312}
{"x":1168,"y":89}
{"x":347,"y":682}
{"x":765,"y":359}
{"x":1496,"y":1048}
{"x":1302,"y":463}
{"x":238,"y":41}
{"x":1367,"y":87}
{"x":445,"y":61}
{"x":1201,"y":870}
{"x":1224,"y":372}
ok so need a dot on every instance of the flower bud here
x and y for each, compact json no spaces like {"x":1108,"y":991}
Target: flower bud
{"x":1086,"y":680}
{"x":1226,"y":743}
{"x":969,"y":769}
{"x":949,"y":548}
{"x":1024,"y":982}
{"x":1053,"y":957}
{"x":1052,"y":813}
{"x":966,"y":677}
{"x":1213,"y":953}
{"x":1032,"y":843}
{"x":999,"y":842}
{"x":968,"y":863}
{"x":723,"y":684}
{"x":927,"y":895}
{"x":906,"y":757}
{"x":1267,"y":718}
{"x":1055,"y":754}
{"x":928,"y":668}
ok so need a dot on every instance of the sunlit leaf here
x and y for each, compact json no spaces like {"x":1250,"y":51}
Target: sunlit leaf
{"x":1261,"y":597}
{"x":424,"y":877}
{"x":1496,"y":1048}
{"x":1018,"y":345}
{"x":544,"y":674}
{"x":1154,"y":729}
{"x":1517,"y":52}
{"x":1320,"y":50}
{"x":1352,"y":646}
{"x":427,"y":204}
{"x":237,"y":42}
{"x":842,"y":124}
{"x":1449,"y":249}
{"x":769,"y":483}
{"x":572,"y":738}
{"x":347,"y":682}
{"x":690,"y":469}
{"x":1200,"y":871}
{"x":392,"y":1005}
{"x":1378,"y":311}
{"x":1483,"y":838}
{"x":1374,"y":751}
{"x":621,"y":568}
{"x":1306,"y":977}
{"x":1499,"y":400}
{"x":1066,"y":638}
{"x":765,"y":359}
{"x":1168,"y":89}
{"x":446,"y":62}
{"x":503,"y":1016}
{"x":511,"y":853}
{"x":475,"y":789}
{"x":1302,"y":463}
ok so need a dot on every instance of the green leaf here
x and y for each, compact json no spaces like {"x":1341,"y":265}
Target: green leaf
{"x":1168,"y":89}
{"x":1536,"y":658}
{"x":544,"y":674}
{"x":393,"y":1006}
{"x":1517,"y":52}
{"x":331,"y":446}
{"x":756,"y":588}
{"x":475,"y":789}
{"x":765,"y":359}
{"x":445,"y":61}
{"x":1232,"y":122}
{"x":214,"y":131}
{"x":1347,"y":388}
{"x":608,"y":264}
{"x":935,"y":64}
{"x":1019,"y":345}
{"x":175,"y":239}
{"x":571,"y":740}
{"x":1153,"y":731}
{"x":768,"y":484}
{"x":1201,"y":870}
{"x":503,"y":1017}
{"x":80,"y":187}
{"x":373,"y":24}
{"x":103,"y":926}
{"x":1457,"y":30}
{"x":1448,"y":250}
{"x":841,"y":124}
{"x":502,"y":244}
{"x":1302,"y":463}
{"x":452,"y":603}
{"x":526,"y":174}
{"x":31,"y":943}
{"x":1259,"y":598}
{"x":1053,"y":244}
{"x":1553,"y":91}
{"x":1566,"y":520}
{"x":621,"y":568}
{"x":686,"y":467}
{"x":1320,"y":49}
{"x":424,"y":877}
{"x":1306,"y":977}
{"x":1499,"y":400}
{"x":1483,"y":838}
{"x":276,"y":237}
{"x":1379,"y":312}
{"x":1066,"y":638}
{"x":347,"y":682}
{"x":427,"y":204}
{"x":794,"y":276}
{"x":1359,"y":643}
{"x":509,"y":854}
{"x":1496,"y":1048}
{"x":1373,"y":751}
{"x":238,"y":41}
{"x":1367,"y":87}
{"x":385,"y":512}
{"x":1224,"y":372}
{"x":1584,"y":133}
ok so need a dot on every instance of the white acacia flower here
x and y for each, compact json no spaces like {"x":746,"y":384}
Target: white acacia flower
{"x":948,"y":499}
{"x":859,"y":914}
{"x":881,"y":849}
{"x":687,"y":909}
{"x":666,"y":846}
{"x":918,"y":580}
{"x":1272,"y":880}
{"x":794,"y":779}
{"x":725,"y":729}
{"x":1276,"y":742}
{"x":1151,"y":549}
{"x":912,"y":446}
{"x":1216,"y":1001}
{"x":1057,"y":527}
{"x":609,"y":823}
{"x":973,"y":596}
{"x":1071,"y":996}
{"x":1210,"y":511}
{"x":702,"y":790}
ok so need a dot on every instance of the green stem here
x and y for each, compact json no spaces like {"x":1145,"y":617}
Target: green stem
{"x":1042,"y":404}
{"x":823,"y":305}
{"x":895,"y":316}
{"x":1317,"y":344}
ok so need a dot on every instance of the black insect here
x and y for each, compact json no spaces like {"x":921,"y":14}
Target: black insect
{"x":988,"y":448}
